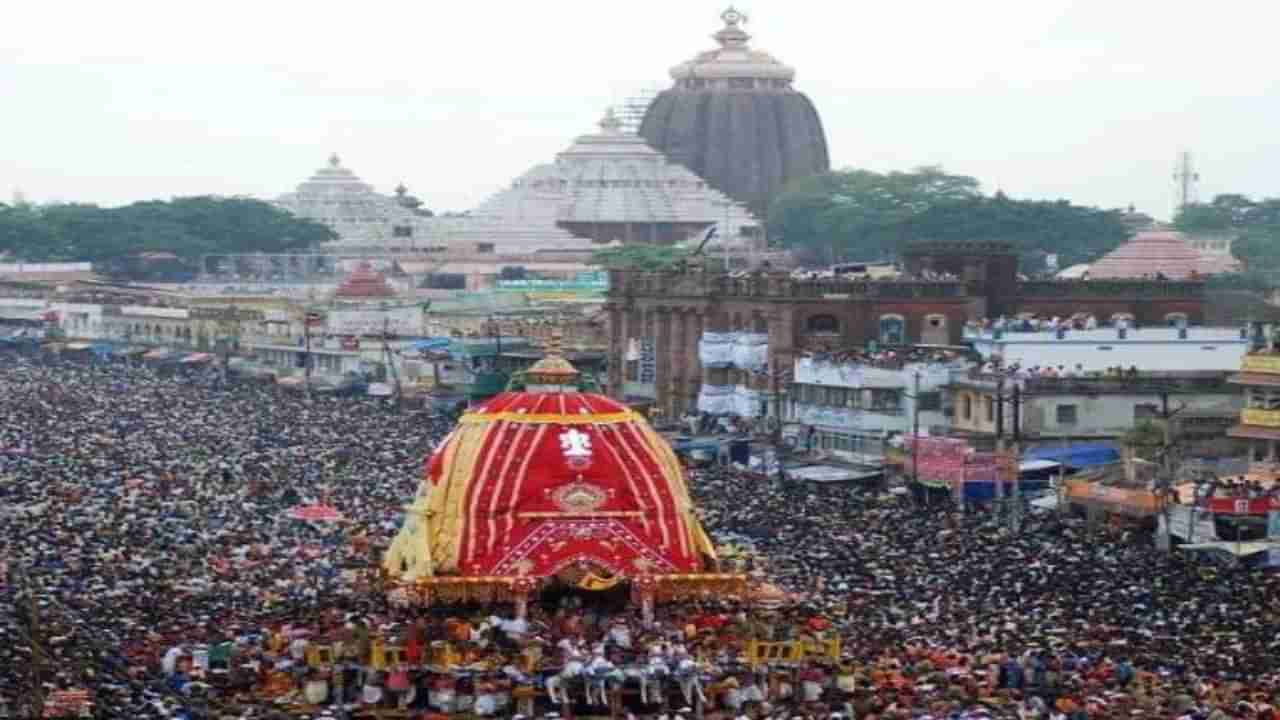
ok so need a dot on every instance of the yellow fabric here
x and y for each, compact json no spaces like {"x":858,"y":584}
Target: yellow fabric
{"x":670,"y":466}
{"x":596,"y":583}
{"x":450,"y":492}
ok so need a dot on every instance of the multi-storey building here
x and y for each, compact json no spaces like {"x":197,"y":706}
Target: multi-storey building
{"x":661,"y":317}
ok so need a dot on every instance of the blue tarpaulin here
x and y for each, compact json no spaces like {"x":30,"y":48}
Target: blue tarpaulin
{"x":435,"y":344}
{"x":1083,"y":455}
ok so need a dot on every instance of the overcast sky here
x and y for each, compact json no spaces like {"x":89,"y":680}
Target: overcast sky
{"x":1089,"y":101}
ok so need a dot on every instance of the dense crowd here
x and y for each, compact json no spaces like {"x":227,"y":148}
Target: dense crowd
{"x":149,"y":549}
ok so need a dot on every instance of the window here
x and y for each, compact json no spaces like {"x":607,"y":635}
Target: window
{"x":484,"y":248}
{"x":402,"y":231}
{"x":826,"y":324}
{"x":991,"y":409}
{"x":929,"y":401}
{"x":967,"y":406}
{"x":892,"y":329}
{"x":885,"y":400}
{"x":1066,"y":414}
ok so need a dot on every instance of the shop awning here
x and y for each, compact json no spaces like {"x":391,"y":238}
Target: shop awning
{"x":1078,"y":455}
{"x":197,"y":358}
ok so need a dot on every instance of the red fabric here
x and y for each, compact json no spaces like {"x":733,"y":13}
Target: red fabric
{"x":526,"y":467}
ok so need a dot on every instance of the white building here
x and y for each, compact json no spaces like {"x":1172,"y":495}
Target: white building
{"x":363,"y":219}
{"x":1150,"y":349}
{"x":854,"y":407}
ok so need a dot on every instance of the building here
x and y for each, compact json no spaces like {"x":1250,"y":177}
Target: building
{"x":733,"y":117}
{"x":1259,"y":425}
{"x":364,"y":220}
{"x":612,"y":187}
{"x":1152,"y":253}
{"x":1159,"y":348}
{"x":1037,"y":409}
{"x":854,"y":407}
{"x":657,"y":320}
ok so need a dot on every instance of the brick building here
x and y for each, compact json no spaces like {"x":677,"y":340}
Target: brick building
{"x":657,"y":319}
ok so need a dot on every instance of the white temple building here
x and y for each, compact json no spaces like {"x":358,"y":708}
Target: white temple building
{"x":612,"y":187}
{"x":606,"y":187}
{"x":364,"y":220}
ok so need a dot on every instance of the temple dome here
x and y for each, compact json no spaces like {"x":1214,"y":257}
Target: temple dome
{"x":1159,"y":251}
{"x":532,"y":483}
{"x":734,"y":118}
{"x":364,"y":283}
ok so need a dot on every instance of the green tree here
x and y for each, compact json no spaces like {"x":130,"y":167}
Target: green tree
{"x":185,"y":227}
{"x":640,"y":257}
{"x":1036,"y":228}
{"x":1255,"y":224}
{"x":860,"y":214}
{"x":863,"y":215}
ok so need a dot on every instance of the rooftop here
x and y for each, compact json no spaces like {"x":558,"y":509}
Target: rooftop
{"x":1162,"y":252}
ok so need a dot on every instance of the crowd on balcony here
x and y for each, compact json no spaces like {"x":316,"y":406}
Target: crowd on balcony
{"x":1029,"y":322}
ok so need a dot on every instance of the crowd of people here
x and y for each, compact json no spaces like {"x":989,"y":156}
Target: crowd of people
{"x":151,"y":558}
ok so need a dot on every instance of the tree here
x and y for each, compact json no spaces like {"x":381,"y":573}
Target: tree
{"x":640,"y":257}
{"x":1036,"y":228}
{"x":860,"y":214}
{"x":1255,"y":224}
{"x":185,"y":227}
{"x":863,"y":215}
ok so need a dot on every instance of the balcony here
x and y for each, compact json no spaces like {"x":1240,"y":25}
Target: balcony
{"x":1260,"y":417}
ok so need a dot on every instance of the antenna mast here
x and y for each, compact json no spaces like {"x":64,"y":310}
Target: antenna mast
{"x":1186,"y":177}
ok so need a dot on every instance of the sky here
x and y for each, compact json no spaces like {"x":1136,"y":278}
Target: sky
{"x":1090,"y":101}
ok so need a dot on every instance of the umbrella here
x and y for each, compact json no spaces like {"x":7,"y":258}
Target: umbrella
{"x":315,"y":513}
{"x":196,"y":358}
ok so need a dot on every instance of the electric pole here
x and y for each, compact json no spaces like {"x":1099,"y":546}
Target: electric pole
{"x":391,"y":361}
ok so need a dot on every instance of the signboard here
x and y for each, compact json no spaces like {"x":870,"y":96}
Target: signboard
{"x":648,"y":361}
{"x":1239,"y":506}
{"x":1134,"y":502}
{"x":399,"y":320}
{"x":592,"y":285}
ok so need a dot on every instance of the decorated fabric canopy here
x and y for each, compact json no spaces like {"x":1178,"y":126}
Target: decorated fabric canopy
{"x":534,"y":485}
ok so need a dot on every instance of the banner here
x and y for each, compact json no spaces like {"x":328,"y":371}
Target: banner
{"x":1239,"y":506}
